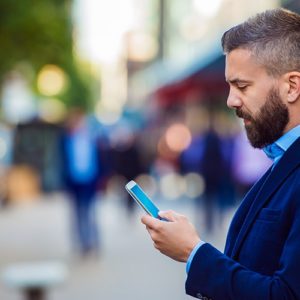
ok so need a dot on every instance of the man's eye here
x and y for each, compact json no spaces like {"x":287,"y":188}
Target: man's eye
{"x":242,"y":87}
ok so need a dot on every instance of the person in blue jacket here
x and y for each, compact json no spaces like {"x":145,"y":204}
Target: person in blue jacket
{"x":261,"y":260}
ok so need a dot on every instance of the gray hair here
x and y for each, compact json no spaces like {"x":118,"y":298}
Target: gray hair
{"x":273,"y":37}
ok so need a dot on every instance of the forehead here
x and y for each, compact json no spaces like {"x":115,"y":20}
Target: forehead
{"x":240,"y":64}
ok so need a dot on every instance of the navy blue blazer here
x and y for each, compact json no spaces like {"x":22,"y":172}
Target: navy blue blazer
{"x":262,"y":251}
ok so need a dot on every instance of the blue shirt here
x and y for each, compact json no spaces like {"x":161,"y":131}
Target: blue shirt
{"x":82,"y":157}
{"x":274,"y":151}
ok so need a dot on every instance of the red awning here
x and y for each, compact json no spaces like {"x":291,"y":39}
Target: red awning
{"x":205,"y":80}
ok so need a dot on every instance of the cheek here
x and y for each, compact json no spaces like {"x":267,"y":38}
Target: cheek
{"x":253,"y":105}
{"x":248,"y":111}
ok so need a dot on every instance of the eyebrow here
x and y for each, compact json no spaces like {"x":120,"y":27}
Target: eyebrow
{"x":237,"y":81}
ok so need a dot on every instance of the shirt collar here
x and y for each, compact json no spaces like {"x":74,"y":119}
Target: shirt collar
{"x":275,"y":150}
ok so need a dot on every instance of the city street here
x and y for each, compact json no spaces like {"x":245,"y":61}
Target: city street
{"x":127,"y":268}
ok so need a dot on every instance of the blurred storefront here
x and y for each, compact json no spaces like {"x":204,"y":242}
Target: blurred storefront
{"x":36,"y":165}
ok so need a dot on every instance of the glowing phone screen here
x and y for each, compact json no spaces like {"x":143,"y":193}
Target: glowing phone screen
{"x":144,"y":200}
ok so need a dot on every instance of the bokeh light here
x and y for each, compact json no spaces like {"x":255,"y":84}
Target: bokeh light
{"x":107,"y":117}
{"x":178,"y":137}
{"x":141,"y":47}
{"x":172,"y":186}
{"x":52,"y":110}
{"x":194,"y":185}
{"x":51,"y":80}
{"x":148,"y":183}
{"x":164,"y":150}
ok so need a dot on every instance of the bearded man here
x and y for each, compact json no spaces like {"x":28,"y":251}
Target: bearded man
{"x":261,"y":260}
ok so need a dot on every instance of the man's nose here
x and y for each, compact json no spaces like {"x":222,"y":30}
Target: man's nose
{"x":233,"y":100}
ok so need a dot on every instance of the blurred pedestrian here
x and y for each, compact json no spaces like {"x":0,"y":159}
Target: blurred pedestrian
{"x":82,"y":172}
{"x":126,"y":159}
{"x":212,"y":168}
{"x":210,"y":155}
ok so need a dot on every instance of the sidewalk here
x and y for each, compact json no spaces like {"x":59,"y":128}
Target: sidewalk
{"x":129,"y":267}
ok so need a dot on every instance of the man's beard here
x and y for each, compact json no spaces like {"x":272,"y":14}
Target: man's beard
{"x":269,"y":123}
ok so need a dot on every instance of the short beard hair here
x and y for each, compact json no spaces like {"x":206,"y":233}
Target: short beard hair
{"x":269,"y":123}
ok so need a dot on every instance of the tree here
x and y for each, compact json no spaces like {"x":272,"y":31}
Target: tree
{"x":35,"y":33}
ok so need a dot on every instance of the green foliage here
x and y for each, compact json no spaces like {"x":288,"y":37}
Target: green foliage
{"x":39,"y":32}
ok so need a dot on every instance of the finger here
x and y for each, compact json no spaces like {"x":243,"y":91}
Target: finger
{"x":156,"y":246}
{"x":149,"y":221}
{"x":168,"y":215}
{"x":151,"y":232}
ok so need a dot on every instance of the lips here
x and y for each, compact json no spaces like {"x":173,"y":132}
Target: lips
{"x":246,"y":117}
{"x":247,"y":121}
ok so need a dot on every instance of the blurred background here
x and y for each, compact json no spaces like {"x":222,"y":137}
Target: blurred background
{"x":96,"y":93}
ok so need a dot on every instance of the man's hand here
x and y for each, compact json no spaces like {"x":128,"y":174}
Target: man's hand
{"x":176,"y":238}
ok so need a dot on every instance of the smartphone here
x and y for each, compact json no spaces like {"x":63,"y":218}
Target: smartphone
{"x":142,"y":199}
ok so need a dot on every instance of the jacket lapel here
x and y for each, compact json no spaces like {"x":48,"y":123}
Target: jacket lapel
{"x":289,"y":162}
{"x":241,"y":213}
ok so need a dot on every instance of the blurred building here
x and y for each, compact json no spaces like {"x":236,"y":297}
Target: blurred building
{"x":191,"y":33}
{"x":184,"y":87}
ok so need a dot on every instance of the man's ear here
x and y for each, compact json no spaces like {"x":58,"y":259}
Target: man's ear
{"x":293,"y":79}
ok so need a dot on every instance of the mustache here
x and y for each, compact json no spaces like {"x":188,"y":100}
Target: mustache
{"x":243,"y":115}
